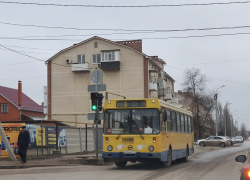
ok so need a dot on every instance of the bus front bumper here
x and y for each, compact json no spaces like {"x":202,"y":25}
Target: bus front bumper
{"x":113,"y":156}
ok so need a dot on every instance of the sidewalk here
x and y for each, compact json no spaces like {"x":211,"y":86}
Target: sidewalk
{"x":63,"y":160}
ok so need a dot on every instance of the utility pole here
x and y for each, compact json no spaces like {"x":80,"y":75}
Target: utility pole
{"x":226,"y":116}
{"x":216,"y":106}
{"x":96,"y":121}
{"x":216,"y":122}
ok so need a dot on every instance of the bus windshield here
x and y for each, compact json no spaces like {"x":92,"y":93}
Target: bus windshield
{"x":132,"y":121}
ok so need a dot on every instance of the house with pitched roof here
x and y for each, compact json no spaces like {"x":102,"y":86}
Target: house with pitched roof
{"x":127,"y":71}
{"x":16,"y":106}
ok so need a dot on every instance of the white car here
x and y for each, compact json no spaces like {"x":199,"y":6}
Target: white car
{"x":239,"y":139}
{"x":214,"y":141}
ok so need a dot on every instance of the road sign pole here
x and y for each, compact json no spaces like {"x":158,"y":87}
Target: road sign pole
{"x":96,"y":121}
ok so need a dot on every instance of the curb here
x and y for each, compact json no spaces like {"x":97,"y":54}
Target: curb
{"x":32,"y":166}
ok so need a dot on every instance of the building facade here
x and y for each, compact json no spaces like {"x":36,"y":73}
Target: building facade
{"x":127,"y":72}
{"x":16,"y":106}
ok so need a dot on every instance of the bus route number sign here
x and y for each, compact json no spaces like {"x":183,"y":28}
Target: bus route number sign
{"x":109,"y":131}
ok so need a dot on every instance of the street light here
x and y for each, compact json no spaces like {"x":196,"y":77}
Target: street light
{"x":215,"y":98}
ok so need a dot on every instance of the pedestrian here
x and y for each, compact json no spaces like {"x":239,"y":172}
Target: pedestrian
{"x":23,"y":143}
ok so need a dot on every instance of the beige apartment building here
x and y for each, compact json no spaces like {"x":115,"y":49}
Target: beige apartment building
{"x":126,"y":71}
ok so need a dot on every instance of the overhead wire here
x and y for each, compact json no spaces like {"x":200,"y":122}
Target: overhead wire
{"x":219,"y":79}
{"x":27,"y":52}
{"x":117,"y":29}
{"x":124,"y":6}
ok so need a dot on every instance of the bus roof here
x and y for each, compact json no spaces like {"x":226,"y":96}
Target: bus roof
{"x":151,"y":103}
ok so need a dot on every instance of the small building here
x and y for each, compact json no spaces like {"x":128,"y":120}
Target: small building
{"x":16,"y":106}
{"x":184,"y":100}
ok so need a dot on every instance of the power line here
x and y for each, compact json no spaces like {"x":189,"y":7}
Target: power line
{"x":28,"y":52}
{"x":210,"y":62}
{"x":219,"y":79}
{"x":29,"y":47}
{"x":137,"y":30}
{"x":31,"y":56}
{"x":123,"y":6}
{"x":161,"y":38}
{"x":17,"y":63}
{"x":36,"y":58}
{"x":24,"y":78}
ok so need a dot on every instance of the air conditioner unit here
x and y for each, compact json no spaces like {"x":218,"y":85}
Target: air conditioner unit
{"x":68,"y":61}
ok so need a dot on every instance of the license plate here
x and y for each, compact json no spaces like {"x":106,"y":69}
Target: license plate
{"x":128,"y":140}
{"x":129,"y":152}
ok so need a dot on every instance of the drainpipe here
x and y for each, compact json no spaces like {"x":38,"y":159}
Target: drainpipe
{"x":148,"y":80}
{"x":20,"y":118}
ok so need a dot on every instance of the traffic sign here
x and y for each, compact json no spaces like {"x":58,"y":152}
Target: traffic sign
{"x":97,"y":77}
{"x":100,"y":87}
{"x":91,"y":116}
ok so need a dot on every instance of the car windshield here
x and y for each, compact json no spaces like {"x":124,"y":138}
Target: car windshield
{"x":134,"y":121}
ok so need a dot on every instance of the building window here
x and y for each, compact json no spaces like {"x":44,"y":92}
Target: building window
{"x":169,"y":121}
{"x":110,"y":56}
{"x":4,"y":108}
{"x":95,"y":44}
{"x":81,"y":59}
{"x":96,"y":58}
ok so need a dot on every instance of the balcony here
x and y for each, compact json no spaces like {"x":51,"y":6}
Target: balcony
{"x":161,"y":91}
{"x":80,"y":67}
{"x":152,"y":86}
{"x":174,"y":101}
{"x":168,"y":96}
{"x":110,"y":66}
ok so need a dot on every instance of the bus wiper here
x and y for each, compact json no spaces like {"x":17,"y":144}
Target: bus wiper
{"x":119,"y":135}
{"x":141,"y":136}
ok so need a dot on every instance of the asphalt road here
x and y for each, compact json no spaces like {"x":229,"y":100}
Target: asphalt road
{"x":207,"y":164}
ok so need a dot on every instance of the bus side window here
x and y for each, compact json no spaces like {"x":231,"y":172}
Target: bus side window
{"x":182,"y":124}
{"x":190,"y":124}
{"x":169,"y":122}
{"x":186,"y":124}
{"x":178,"y":122}
{"x":163,"y":120}
{"x":174,"y":121}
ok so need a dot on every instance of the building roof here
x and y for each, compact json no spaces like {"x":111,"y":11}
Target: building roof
{"x":114,"y":42}
{"x":27,"y":103}
{"x":168,"y":76}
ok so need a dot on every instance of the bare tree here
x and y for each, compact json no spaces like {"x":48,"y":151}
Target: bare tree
{"x":243,"y":130}
{"x":201,"y":102}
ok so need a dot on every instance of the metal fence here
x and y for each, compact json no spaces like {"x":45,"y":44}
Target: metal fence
{"x":82,"y":139}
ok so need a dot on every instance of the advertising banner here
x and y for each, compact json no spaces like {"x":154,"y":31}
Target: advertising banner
{"x":36,"y":135}
{"x":49,"y":136}
{"x":12,"y":131}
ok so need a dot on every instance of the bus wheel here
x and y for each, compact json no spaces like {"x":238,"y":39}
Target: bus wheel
{"x":121,"y":164}
{"x":185,"y":159}
{"x":169,"y":161}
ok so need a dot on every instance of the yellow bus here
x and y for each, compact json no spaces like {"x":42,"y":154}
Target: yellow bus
{"x":146,"y":130}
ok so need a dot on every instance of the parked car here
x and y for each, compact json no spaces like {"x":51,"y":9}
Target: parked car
{"x":231,"y":140}
{"x":239,"y":139}
{"x":214,"y":141}
{"x":234,"y":142}
{"x":245,"y":172}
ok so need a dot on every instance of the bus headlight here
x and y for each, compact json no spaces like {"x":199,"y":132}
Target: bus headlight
{"x":110,"y":148}
{"x":151,"y":148}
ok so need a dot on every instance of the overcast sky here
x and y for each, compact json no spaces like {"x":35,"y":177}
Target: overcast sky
{"x":178,"y":53}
